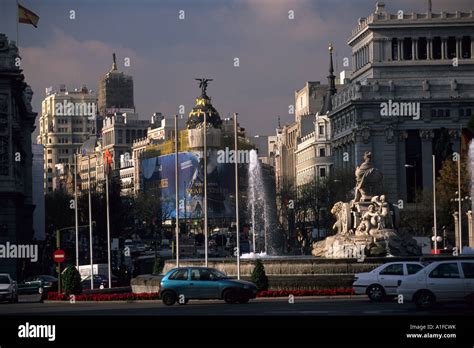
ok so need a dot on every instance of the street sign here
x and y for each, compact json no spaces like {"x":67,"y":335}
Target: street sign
{"x":59,"y":256}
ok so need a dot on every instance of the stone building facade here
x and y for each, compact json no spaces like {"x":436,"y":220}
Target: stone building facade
{"x":115,"y":91}
{"x":17,"y":122}
{"x":406,"y":93}
{"x":66,"y":122}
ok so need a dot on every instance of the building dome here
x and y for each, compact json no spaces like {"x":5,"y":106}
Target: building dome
{"x":203,"y":108}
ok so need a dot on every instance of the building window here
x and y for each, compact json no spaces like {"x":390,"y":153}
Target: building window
{"x":321,"y":129}
{"x":466,"y":47}
{"x":451,"y":47}
{"x":322,"y":172}
{"x":322,"y":152}
{"x":50,"y":170}
{"x":394,"y":49}
{"x":447,"y":113}
{"x":51,"y":151}
{"x":468,"y":112}
{"x":407,"y":49}
{"x":50,"y":160}
{"x":461,"y":112}
{"x":422,"y":48}
{"x":433,"y":113}
{"x":437,"y":48}
{"x":440,"y":113}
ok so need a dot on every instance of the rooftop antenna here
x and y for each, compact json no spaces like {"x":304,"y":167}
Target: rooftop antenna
{"x":279,"y":125}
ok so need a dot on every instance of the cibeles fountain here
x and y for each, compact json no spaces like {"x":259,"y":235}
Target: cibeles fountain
{"x":368,"y":225}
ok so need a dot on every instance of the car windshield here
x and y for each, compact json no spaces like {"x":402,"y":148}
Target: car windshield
{"x":218,"y":274}
{"x":4,"y":280}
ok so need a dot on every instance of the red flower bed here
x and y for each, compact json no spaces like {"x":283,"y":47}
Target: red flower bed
{"x":323,"y":292}
{"x":54,"y":296}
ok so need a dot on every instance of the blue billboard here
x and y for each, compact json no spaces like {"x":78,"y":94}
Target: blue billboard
{"x":158,"y":174}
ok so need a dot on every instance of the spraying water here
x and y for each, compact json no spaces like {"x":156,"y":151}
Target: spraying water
{"x":257,"y":204}
{"x":470,"y":250}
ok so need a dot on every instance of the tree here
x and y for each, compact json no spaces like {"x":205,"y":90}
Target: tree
{"x":286,"y":197}
{"x":446,"y":188}
{"x":158,"y":266}
{"x":258,"y":277}
{"x":58,"y":212}
{"x":71,"y":281}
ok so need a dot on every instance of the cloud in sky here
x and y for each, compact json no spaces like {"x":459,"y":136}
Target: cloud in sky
{"x":277,"y":55}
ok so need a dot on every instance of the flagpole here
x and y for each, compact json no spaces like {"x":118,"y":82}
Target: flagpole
{"x":205,"y":192}
{"x":237,"y":221}
{"x":90,"y":219}
{"x":75,"y":210}
{"x":109,"y":268}
{"x":176,"y":183}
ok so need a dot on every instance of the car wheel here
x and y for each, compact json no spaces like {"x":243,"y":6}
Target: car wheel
{"x":168,"y":298}
{"x":376,"y":293}
{"x":424,"y":299}
{"x":230,"y":296}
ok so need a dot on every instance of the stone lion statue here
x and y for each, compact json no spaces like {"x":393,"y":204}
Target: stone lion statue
{"x":337,"y":212}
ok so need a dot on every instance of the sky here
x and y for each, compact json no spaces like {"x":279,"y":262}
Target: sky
{"x":277,"y":55}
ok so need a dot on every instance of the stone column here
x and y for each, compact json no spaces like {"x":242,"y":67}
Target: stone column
{"x":470,"y":229}
{"x":456,"y":229}
{"x":400,"y":49}
{"x":455,"y":135}
{"x":429,"y":45}
{"x":402,"y":171}
{"x":354,"y":62}
{"x":443,"y":48}
{"x":413,"y":49}
{"x":458,"y":48}
{"x":426,"y":158}
{"x":472,"y":47}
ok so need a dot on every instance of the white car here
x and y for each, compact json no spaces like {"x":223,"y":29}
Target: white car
{"x":8,"y":288}
{"x":439,"y":281}
{"x":383,"y":280}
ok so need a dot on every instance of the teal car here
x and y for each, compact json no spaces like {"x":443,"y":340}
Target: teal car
{"x":187,"y":283}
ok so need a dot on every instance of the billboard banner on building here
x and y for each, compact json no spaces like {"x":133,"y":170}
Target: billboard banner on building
{"x":158,"y":174}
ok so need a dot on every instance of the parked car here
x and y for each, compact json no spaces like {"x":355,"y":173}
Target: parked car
{"x":100,"y":282}
{"x":204,"y":283}
{"x":439,"y":281}
{"x":38,"y":284}
{"x":8,"y":288}
{"x":383,"y":280}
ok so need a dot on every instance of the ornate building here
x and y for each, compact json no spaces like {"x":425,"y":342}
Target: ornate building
{"x":16,"y":125}
{"x":115,"y":91}
{"x":407,"y":93}
{"x":66,"y":122}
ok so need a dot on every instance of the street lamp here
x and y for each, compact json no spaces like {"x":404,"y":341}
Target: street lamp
{"x":415,"y":198}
